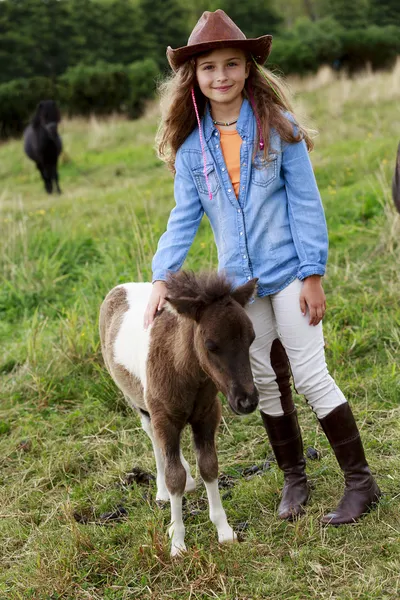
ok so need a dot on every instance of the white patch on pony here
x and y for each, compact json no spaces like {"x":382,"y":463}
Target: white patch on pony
{"x":226,"y":534}
{"x":131,"y":346}
{"x":168,"y":306}
{"x":177,"y":528}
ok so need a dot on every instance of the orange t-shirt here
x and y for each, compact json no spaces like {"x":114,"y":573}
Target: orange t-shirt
{"x":230,"y":146}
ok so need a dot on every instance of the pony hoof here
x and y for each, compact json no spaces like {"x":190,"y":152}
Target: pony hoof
{"x":178,"y":551}
{"x":190,"y":485}
{"x":227,"y":537}
{"x":162,"y":496}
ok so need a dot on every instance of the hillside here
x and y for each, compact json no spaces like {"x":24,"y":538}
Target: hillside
{"x":66,"y":438}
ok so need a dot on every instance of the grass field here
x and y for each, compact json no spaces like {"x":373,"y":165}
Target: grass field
{"x":66,"y":439}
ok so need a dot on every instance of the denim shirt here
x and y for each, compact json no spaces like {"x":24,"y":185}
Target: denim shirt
{"x":275,"y":230}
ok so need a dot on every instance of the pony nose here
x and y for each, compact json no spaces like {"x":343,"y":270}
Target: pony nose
{"x":247,"y":403}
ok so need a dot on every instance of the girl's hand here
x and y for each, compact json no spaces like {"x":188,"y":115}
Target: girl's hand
{"x":156,"y":302}
{"x":313,"y":297}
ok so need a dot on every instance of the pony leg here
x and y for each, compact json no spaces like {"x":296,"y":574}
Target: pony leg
{"x":204,"y":439}
{"x":162,"y":492}
{"x":47,"y":185}
{"x":217,"y":514}
{"x":177,"y":529}
{"x":57,"y":184}
{"x":168,"y":435}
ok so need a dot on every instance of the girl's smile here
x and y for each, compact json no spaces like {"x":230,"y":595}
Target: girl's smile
{"x":224,"y":88}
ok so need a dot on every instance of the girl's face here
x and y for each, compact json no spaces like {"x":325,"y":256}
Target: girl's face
{"x":221,"y":74}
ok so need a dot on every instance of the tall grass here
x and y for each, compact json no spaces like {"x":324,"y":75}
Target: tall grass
{"x":67,"y":439}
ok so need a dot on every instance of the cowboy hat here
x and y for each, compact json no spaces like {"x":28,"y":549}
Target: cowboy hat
{"x":217,"y":30}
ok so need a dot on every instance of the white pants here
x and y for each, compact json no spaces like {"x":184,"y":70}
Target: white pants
{"x":279,"y":316}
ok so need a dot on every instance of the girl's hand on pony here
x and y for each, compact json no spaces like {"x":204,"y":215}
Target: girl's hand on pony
{"x":313,"y":297}
{"x":156,"y":302}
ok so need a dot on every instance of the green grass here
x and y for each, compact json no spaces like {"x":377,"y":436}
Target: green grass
{"x":66,"y":438}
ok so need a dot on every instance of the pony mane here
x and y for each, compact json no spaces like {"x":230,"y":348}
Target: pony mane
{"x":208,"y":287}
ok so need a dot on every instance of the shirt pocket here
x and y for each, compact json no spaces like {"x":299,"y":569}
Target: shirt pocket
{"x":264,"y":172}
{"x":200,"y":180}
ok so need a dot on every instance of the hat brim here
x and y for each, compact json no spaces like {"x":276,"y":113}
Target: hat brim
{"x":260,"y":48}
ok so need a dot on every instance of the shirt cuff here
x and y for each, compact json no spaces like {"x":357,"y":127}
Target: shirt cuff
{"x":310,"y":269}
{"x":159,"y":276}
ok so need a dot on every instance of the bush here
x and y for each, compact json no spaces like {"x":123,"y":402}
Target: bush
{"x":312,"y":44}
{"x":106,"y":88}
{"x":142,"y":82}
{"x":101,"y":89}
{"x":378,"y":46}
{"x":307,"y":46}
{"x":83,"y":90}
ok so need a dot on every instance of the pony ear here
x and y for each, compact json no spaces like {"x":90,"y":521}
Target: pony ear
{"x":191,"y":308}
{"x":243,"y":293}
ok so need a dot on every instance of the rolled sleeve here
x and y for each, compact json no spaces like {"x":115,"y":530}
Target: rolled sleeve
{"x":305,"y":211}
{"x":182,"y":226}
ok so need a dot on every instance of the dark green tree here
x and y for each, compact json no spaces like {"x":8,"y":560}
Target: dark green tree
{"x":112,"y":32}
{"x":45,"y":37}
{"x":385,"y":12}
{"x":37,"y":38}
{"x":166,"y":21}
{"x":254,"y":17}
{"x":350,"y":15}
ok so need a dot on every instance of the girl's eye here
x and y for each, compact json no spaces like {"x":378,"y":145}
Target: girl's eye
{"x":232,"y":64}
{"x":207,"y":67}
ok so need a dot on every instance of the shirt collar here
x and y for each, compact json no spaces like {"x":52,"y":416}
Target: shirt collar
{"x":242,"y":126}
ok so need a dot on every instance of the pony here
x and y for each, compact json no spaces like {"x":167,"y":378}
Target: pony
{"x":198,"y":345}
{"x":42,"y":143}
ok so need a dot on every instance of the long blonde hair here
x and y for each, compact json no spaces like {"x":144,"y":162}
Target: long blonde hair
{"x":178,"y":119}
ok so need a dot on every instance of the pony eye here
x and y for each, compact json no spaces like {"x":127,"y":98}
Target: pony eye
{"x":211,"y":346}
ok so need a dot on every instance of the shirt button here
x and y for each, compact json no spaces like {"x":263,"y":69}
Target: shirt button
{"x":229,"y":191}
{"x":243,"y":164}
{"x":241,"y":233}
{"x":223,"y":168}
{"x":244,"y":256}
{"x":249,"y":278}
{"x":239,"y":211}
{"x":217,"y":145}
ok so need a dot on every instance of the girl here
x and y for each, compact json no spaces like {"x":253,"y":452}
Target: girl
{"x":240,"y":156}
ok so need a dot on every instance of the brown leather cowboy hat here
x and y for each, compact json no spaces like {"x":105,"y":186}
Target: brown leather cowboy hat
{"x":217,"y":30}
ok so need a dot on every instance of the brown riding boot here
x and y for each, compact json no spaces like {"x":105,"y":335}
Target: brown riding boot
{"x":285,"y":438}
{"x":361,"y":490}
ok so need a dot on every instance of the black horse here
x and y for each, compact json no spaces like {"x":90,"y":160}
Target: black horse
{"x":42,"y":143}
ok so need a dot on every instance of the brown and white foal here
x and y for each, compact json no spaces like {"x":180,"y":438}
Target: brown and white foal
{"x":172,"y":373}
